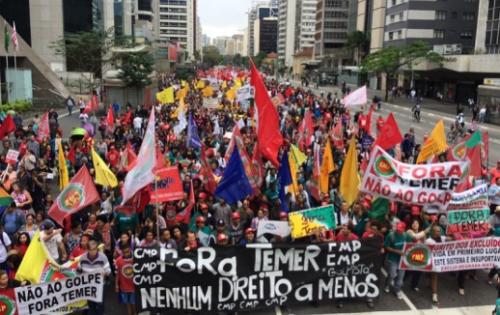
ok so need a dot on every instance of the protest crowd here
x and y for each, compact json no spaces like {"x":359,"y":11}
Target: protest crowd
{"x":227,"y":160}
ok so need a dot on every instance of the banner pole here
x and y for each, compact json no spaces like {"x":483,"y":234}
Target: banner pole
{"x":157,"y":207}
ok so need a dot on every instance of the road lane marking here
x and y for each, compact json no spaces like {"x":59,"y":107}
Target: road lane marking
{"x":407,"y":301}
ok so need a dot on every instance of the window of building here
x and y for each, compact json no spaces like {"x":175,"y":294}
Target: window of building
{"x":441,"y":15}
{"x":454,"y":15}
{"x":391,"y":35}
{"x":392,"y":18}
{"x":438,"y":33}
{"x":466,"y":35}
{"x":401,"y":16}
{"x":469,"y":16}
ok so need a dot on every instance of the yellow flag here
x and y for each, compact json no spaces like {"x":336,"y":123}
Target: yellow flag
{"x":435,"y":144}
{"x":237,"y":82}
{"x":179,"y":108}
{"x":63,"y":169}
{"x":200,"y":85}
{"x":181,"y":94}
{"x":295,"y":159}
{"x":208,"y":91}
{"x":327,"y":166}
{"x":231,"y":94}
{"x":224,"y":85}
{"x":103,"y":175}
{"x":349,"y":178}
{"x":169,"y":95}
{"x":33,"y":262}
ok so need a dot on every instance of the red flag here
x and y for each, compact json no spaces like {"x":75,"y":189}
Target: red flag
{"x":258,"y":167}
{"x":72,"y":155}
{"x":131,"y":157}
{"x":7,"y":127}
{"x":306,"y":131}
{"x":160,"y":160}
{"x":389,"y":134}
{"x":474,"y":156}
{"x":43,"y":128}
{"x":110,"y":119}
{"x":208,"y":176}
{"x":486,"y":146}
{"x":313,"y":183}
{"x":79,"y":193}
{"x":136,"y":204}
{"x":127,"y":118}
{"x":185,"y":215}
{"x":338,"y":135}
{"x":92,"y":105}
{"x":268,"y":133}
{"x":368,"y":125}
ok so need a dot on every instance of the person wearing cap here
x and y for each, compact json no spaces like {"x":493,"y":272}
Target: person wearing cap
{"x":53,"y":241}
{"x":494,"y":195}
{"x":393,"y":244}
{"x":222,"y":239}
{"x":222,"y":211}
{"x":235,"y":229}
{"x":262,"y":215}
{"x":249,"y":237}
{"x":94,"y":261}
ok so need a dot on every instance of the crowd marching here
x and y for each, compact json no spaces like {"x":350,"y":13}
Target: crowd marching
{"x":305,"y":151}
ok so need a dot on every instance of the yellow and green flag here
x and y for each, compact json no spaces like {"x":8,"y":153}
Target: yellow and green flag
{"x":349,"y":178}
{"x":103,"y":175}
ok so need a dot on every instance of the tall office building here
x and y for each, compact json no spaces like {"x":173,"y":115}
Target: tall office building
{"x":334,"y":20}
{"x":296,"y":27}
{"x":177,"y":22}
{"x":439,"y":23}
{"x":371,"y":20}
{"x":488,"y":27}
{"x":262,"y":28}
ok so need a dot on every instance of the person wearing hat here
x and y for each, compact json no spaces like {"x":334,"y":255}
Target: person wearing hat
{"x":53,"y":241}
{"x":222,"y":211}
{"x":222,"y":239}
{"x":249,"y":237}
{"x":494,"y":195}
{"x":235,"y":229}
{"x":393,"y":244}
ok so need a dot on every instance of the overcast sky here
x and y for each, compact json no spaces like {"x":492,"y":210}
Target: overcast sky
{"x":223,"y":17}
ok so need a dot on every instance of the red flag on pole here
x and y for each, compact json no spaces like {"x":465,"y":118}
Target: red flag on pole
{"x":7,"y":127}
{"x":79,"y":193}
{"x":389,"y":134}
{"x":338,"y":135}
{"x":43,"y":128}
{"x":268,"y":133}
{"x":185,"y":215}
{"x":110,"y":119}
{"x":208,"y":176}
{"x":306,"y":130}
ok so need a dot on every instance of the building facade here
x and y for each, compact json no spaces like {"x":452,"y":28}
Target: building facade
{"x":334,"y":20}
{"x":177,"y":21}
{"x":296,"y":28}
{"x":435,"y":22}
{"x":371,"y":20}
{"x":256,"y":15}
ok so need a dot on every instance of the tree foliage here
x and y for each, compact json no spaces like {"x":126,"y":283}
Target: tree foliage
{"x":136,"y":68}
{"x":259,"y":58}
{"x":392,"y":59}
{"x":358,"y":43}
{"x":211,"y":56}
{"x":85,"y":51}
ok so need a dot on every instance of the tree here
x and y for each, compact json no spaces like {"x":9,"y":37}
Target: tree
{"x":237,"y":59}
{"x":211,"y":56}
{"x":259,"y":58}
{"x":357,"y":44}
{"x":392,"y":59}
{"x":135,"y":69}
{"x":85,"y":51}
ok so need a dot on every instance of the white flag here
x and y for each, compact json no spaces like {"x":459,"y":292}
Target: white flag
{"x":280,"y":228}
{"x":142,"y":173}
{"x":182,"y":123}
{"x":356,"y":98}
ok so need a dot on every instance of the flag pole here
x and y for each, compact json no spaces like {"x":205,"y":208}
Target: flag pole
{"x":157,"y":206}
{"x":7,"y":76}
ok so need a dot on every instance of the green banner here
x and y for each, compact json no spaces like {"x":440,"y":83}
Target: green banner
{"x":305,"y":222}
{"x":468,"y":216}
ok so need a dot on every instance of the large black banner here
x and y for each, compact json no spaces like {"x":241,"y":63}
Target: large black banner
{"x":256,"y":276}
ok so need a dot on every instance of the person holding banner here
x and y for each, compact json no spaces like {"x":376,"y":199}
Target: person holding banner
{"x":394,"y":242}
{"x":435,"y":238}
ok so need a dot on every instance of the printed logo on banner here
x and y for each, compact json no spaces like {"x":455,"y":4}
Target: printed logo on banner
{"x":128,"y":271}
{"x":418,"y":256}
{"x":459,"y":151}
{"x":7,"y":305}
{"x":383,"y":167}
{"x":72,"y":197}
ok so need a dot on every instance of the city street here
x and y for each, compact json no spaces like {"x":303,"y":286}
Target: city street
{"x":478,"y":293}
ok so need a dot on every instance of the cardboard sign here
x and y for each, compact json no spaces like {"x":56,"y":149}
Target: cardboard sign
{"x":168,"y":186}
{"x":12,"y":156}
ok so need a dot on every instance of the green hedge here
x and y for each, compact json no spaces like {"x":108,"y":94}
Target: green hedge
{"x":17,"y":106}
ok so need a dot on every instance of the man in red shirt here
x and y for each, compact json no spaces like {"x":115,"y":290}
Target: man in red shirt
{"x":124,"y":285}
{"x":113,"y":156}
{"x":495,"y":173}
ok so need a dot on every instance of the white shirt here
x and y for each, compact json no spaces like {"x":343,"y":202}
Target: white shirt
{"x":3,"y":249}
{"x":51,"y":244}
{"x":137,"y":122}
